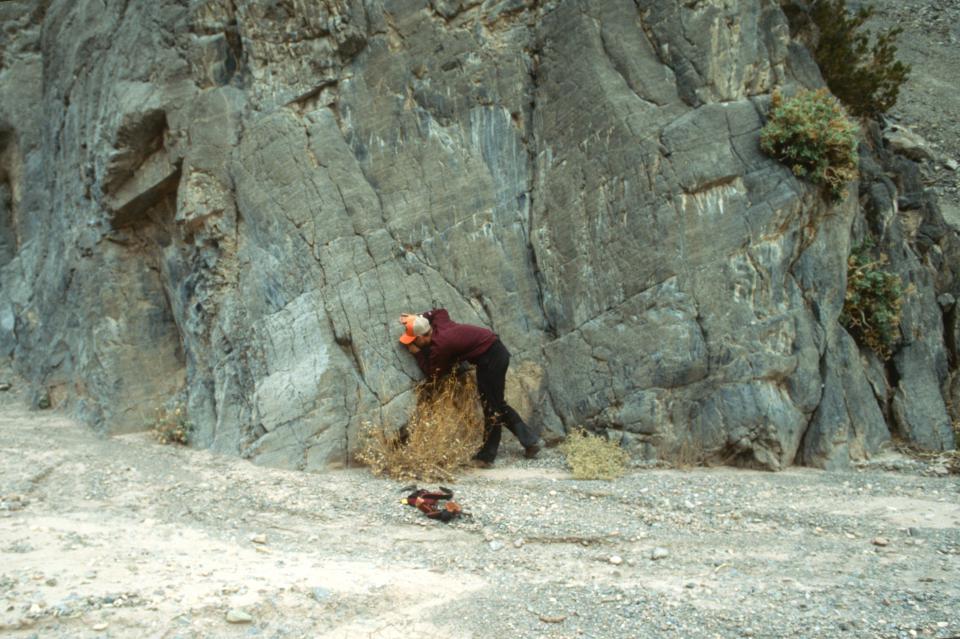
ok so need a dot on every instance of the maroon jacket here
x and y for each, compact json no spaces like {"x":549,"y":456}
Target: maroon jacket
{"x":452,"y":342}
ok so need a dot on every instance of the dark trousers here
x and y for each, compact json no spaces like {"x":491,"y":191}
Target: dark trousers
{"x":491,"y":376}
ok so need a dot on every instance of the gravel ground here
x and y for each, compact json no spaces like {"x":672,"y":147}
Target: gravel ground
{"x":124,"y":537}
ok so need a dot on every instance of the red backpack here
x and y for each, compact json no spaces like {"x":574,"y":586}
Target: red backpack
{"x":429,"y":503}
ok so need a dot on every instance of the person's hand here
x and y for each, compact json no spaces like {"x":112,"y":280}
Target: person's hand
{"x":413,"y":348}
{"x":404,"y":317}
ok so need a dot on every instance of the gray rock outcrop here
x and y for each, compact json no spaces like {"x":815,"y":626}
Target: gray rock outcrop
{"x":227,"y":203}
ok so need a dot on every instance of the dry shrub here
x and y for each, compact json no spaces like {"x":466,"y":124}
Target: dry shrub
{"x":593,"y":457}
{"x":171,"y":426}
{"x":688,"y":454}
{"x":443,"y":434}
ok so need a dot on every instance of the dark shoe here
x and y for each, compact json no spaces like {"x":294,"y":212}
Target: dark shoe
{"x":531,"y":451}
{"x":479,"y":463}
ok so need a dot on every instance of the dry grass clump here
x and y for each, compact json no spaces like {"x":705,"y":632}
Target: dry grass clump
{"x":443,"y":434}
{"x":593,"y":457}
{"x":688,"y":454}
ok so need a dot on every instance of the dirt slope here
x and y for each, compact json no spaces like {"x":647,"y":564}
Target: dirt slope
{"x":929,"y":102}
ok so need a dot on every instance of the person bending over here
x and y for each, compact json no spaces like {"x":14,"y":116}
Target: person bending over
{"x":438,"y":344}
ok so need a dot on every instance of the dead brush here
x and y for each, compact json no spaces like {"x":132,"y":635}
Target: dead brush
{"x":688,"y":455}
{"x":171,"y":426}
{"x":443,"y":434}
{"x":593,"y":457}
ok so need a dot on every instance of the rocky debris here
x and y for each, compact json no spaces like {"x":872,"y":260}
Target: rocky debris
{"x":659,"y":553}
{"x":238,"y":616}
{"x":13,"y":502}
{"x":321,"y":594}
{"x":927,"y":103}
{"x":71,"y":606}
{"x":909,"y":459}
{"x":905,"y":142}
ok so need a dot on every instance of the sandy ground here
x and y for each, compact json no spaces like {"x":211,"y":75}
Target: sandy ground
{"x":124,"y":537}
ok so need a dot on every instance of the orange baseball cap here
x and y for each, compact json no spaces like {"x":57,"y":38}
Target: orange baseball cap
{"x":416,"y":326}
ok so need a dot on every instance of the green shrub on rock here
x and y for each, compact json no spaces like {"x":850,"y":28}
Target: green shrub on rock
{"x":866,"y":78}
{"x":874,"y":297}
{"x":812,"y":135}
{"x":172,"y":426}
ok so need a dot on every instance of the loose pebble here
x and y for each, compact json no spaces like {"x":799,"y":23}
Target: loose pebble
{"x":236,"y":615}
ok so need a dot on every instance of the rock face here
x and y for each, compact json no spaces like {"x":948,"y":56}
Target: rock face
{"x":228,"y":203}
